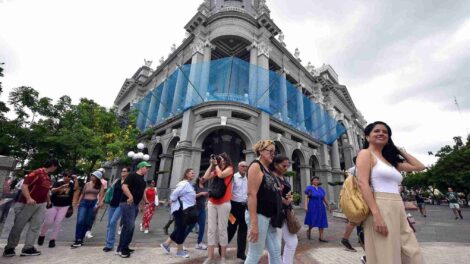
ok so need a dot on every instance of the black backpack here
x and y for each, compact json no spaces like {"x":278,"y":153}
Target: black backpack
{"x":218,"y":188}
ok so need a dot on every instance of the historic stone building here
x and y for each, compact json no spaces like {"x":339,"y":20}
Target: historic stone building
{"x":233,"y":82}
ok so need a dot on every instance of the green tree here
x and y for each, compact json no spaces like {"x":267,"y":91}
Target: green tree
{"x":81,"y":135}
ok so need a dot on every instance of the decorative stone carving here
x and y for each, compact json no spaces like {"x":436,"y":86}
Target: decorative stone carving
{"x":281,"y":39}
{"x":173,"y":48}
{"x":162,"y":60}
{"x":147,"y":63}
{"x":264,"y":49}
{"x":310,"y":67}
{"x":297,"y":54}
{"x":198,"y":46}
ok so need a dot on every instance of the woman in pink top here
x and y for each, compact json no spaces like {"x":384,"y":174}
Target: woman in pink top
{"x":219,"y":209}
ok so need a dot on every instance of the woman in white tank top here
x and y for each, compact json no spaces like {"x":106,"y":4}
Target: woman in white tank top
{"x":388,"y":236}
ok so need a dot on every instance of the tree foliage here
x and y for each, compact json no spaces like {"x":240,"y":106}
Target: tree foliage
{"x":452,"y":169}
{"x":80,"y":136}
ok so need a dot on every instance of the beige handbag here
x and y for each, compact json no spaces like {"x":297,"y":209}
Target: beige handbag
{"x":293,"y":224}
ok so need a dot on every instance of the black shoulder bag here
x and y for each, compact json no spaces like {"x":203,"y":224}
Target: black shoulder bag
{"x":218,"y":188}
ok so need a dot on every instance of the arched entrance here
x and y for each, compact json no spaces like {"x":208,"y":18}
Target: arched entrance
{"x":168,"y":167}
{"x":219,"y":141}
{"x":280,"y":150}
{"x":296,"y":163}
{"x":314,"y":165}
{"x":155,"y":161}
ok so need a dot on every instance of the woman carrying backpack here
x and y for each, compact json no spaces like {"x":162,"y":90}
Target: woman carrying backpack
{"x":114,"y":212}
{"x":388,"y":235}
{"x":220,"y":169}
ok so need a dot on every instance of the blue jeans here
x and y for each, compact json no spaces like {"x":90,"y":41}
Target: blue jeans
{"x":269,"y":237}
{"x":84,"y":218}
{"x":201,"y":221}
{"x":114,"y":214}
{"x":128,"y":215}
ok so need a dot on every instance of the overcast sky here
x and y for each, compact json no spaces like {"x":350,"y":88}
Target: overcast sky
{"x":402,"y":61}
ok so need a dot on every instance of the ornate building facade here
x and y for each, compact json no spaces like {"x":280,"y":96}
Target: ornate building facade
{"x":233,"y":82}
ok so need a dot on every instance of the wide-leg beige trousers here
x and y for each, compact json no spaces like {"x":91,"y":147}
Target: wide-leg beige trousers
{"x":400,"y":245}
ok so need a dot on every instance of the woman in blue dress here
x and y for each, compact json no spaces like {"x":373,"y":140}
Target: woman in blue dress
{"x":315,"y":208}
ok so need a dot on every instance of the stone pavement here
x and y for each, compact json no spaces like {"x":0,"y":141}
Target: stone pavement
{"x":443,"y":240}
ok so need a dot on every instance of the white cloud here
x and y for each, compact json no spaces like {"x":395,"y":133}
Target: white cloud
{"x":391,"y":64}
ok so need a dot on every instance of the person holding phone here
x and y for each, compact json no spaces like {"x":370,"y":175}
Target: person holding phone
{"x":61,"y":200}
{"x":278,"y":168}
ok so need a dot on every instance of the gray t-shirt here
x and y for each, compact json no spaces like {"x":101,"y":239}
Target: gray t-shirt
{"x":201,"y":201}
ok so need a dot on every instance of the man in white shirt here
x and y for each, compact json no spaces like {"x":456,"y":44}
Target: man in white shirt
{"x":239,"y":199}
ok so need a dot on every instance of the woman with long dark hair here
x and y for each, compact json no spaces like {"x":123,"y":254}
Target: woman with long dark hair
{"x":219,"y":208}
{"x":278,"y":168}
{"x":181,"y":198}
{"x":88,"y":199}
{"x":201,"y":202}
{"x":61,"y":199}
{"x":388,"y":236}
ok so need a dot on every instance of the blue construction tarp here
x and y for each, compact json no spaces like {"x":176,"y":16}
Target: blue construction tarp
{"x":235,"y":80}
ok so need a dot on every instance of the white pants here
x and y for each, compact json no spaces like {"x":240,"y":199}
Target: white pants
{"x":290,"y":245}
{"x":217,"y":222}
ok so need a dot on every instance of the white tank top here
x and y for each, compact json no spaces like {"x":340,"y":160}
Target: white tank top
{"x":385,"y":178}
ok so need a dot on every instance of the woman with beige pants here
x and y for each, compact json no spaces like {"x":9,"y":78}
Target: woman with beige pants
{"x":218,"y":210}
{"x":388,"y":237}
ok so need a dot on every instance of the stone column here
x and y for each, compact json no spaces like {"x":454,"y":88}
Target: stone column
{"x":178,"y":98}
{"x":300,"y":108}
{"x":250,"y":155}
{"x":263,"y":125}
{"x":164,"y":178}
{"x":283,"y":95}
{"x":144,"y":112}
{"x":153,"y":107}
{"x":253,"y":73}
{"x":205,"y":72}
{"x":183,"y":151}
{"x":335,"y":163}
{"x":163,"y":110}
{"x":193,"y":95}
{"x":305,"y":179}
{"x":262,"y":91}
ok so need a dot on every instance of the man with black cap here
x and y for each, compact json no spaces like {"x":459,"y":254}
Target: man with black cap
{"x":133,"y":191}
{"x":31,"y":208}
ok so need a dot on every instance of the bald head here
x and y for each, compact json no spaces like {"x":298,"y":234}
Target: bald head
{"x":242,"y":166}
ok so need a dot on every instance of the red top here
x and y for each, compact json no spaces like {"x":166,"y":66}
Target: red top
{"x":228,"y":193}
{"x":39,"y":185}
{"x":150,"y":194}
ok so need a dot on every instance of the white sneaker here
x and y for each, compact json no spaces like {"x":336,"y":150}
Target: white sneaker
{"x":146,"y":231}
{"x":119,"y":230}
{"x":201,"y":246}
{"x":88,"y":234}
{"x":182,"y":254}
{"x":141,"y":228}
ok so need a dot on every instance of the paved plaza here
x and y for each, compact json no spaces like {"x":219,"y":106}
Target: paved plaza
{"x":443,"y":240}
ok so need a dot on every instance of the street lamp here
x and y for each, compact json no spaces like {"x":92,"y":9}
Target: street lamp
{"x":139,"y":156}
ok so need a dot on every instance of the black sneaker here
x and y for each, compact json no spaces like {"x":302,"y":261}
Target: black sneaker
{"x":10,"y":252}
{"x":52,"y":243}
{"x":242,"y":257}
{"x":41,"y":240}
{"x":125,"y":254}
{"x":77,"y":244}
{"x":30,"y":252}
{"x":347,"y":245}
{"x":323,"y":240}
{"x":131,"y":250}
{"x":107,"y":249}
